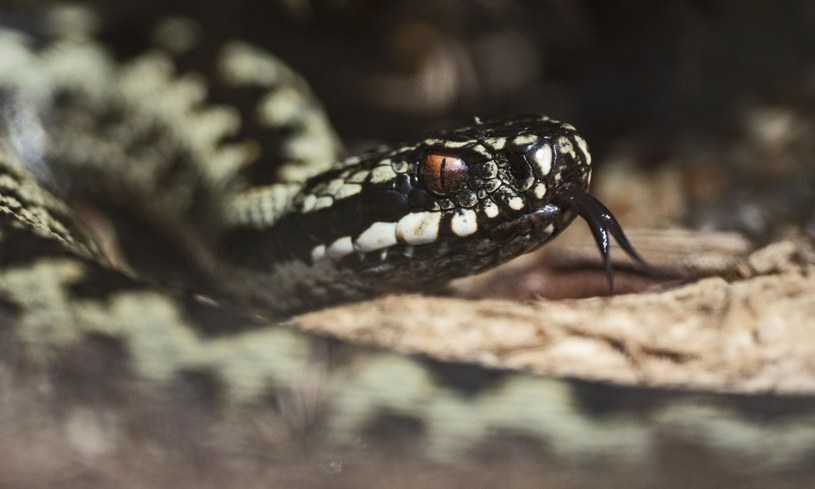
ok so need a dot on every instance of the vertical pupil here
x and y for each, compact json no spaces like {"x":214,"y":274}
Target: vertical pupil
{"x":444,"y":174}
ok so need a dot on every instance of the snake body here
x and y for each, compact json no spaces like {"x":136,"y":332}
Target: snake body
{"x":309,"y":233}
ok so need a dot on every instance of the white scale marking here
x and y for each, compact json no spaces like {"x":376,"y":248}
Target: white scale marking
{"x":516,"y":203}
{"x":464,"y":223}
{"x":382,"y":173}
{"x":524,"y":139}
{"x":280,"y":107}
{"x":302,"y":148}
{"x":543,"y":159}
{"x":334,"y":185}
{"x":348,"y":190}
{"x":497,"y":143}
{"x":566,"y":146}
{"x":318,"y":253}
{"x":351,"y":160}
{"x":379,"y":235}
{"x":400,"y":166}
{"x":490,"y":209}
{"x":358,"y":177}
{"x":482,"y":151}
{"x":419,"y":228}
{"x":581,"y":143}
{"x":540,"y":190}
{"x":322,"y":203}
{"x":340,"y":248}
{"x":309,"y":201}
{"x":457,"y":144}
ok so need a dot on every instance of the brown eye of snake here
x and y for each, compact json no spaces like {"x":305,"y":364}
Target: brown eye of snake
{"x":444,"y":174}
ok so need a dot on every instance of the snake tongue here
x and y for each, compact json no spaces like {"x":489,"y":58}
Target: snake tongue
{"x":602,"y":223}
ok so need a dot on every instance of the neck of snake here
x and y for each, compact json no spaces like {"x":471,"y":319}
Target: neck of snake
{"x":272,"y":266}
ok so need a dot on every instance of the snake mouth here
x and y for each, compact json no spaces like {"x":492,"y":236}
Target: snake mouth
{"x":603,"y":226}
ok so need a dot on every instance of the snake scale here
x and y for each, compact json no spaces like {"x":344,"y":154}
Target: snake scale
{"x":151,"y":139}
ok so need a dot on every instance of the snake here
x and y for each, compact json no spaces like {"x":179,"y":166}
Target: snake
{"x":269,"y":220}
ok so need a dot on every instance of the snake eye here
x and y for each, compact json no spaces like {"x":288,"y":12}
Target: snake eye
{"x":444,"y":174}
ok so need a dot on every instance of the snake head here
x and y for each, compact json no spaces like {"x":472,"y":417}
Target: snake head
{"x":414,"y":217}
{"x":509,"y":186}
{"x":491,"y":186}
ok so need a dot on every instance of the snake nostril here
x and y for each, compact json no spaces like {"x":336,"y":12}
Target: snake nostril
{"x":521,"y":172}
